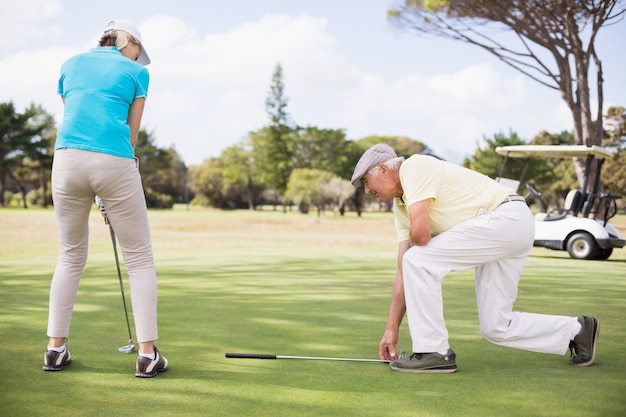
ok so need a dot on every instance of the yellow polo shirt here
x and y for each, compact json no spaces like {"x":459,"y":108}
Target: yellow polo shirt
{"x":456,"y":193}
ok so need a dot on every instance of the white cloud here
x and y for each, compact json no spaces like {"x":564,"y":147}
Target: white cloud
{"x":24,"y":20}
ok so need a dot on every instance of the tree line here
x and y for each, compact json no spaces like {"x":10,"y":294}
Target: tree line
{"x":281,"y":164}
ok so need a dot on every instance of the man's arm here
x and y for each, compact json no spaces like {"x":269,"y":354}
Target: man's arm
{"x":387,"y":345}
{"x":419,"y":232}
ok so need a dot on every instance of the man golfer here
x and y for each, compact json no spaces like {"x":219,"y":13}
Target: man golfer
{"x":449,"y":218}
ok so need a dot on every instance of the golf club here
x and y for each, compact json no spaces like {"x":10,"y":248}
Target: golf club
{"x":130,"y":347}
{"x":269,"y":356}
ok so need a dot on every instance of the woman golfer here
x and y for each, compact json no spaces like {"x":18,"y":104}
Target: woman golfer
{"x":104,"y":91}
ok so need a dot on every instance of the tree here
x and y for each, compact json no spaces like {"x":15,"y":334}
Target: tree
{"x":162,"y":172}
{"x":338,"y":191}
{"x":487,"y":161}
{"x":239,"y":167}
{"x":310,"y":187}
{"x":403,"y":145}
{"x":206,"y":181}
{"x":24,"y":138}
{"x":273,"y":144}
{"x":179,"y":174}
{"x":614,"y":169}
{"x":564,"y":30}
{"x":321,"y":149}
{"x":615,"y":127}
{"x":41,"y":150}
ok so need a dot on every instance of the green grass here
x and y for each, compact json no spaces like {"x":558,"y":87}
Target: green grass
{"x":287,"y":284}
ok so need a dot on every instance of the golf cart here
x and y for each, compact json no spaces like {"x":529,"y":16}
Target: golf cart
{"x":581,"y":226}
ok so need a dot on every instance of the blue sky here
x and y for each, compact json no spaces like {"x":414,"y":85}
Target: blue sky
{"x":344,"y":67}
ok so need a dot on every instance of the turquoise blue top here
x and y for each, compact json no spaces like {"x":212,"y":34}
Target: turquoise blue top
{"x":98,"y":87}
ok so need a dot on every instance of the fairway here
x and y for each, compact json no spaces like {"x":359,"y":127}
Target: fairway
{"x":288,"y":284}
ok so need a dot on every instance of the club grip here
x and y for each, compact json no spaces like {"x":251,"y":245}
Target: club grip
{"x":250,"y":356}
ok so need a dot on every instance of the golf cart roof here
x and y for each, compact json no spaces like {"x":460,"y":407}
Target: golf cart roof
{"x":552,"y":151}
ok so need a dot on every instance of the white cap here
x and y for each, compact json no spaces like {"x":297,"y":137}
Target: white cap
{"x":128,"y":27}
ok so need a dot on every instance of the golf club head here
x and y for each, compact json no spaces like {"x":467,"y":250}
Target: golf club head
{"x":129,"y":348}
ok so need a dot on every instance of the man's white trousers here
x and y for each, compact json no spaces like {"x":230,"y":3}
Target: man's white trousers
{"x":497,"y":244}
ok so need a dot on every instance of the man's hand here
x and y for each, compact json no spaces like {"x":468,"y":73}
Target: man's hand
{"x":387,"y":346}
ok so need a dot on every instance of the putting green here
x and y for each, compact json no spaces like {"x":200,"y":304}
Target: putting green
{"x":288,"y":284}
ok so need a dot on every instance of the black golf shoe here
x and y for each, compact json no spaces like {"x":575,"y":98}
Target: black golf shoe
{"x":583,"y":347}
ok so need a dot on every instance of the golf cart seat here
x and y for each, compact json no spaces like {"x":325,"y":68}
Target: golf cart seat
{"x":573,"y":204}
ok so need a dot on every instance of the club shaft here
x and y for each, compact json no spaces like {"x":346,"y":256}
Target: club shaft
{"x":317,"y":358}
{"x":119,"y":275}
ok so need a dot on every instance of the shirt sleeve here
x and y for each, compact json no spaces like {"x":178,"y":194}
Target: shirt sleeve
{"x":143,"y":81}
{"x":420,"y":176}
{"x":60,"y":90}
{"x":401,"y":220}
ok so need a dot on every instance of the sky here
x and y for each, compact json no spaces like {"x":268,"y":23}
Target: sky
{"x":344,"y":67}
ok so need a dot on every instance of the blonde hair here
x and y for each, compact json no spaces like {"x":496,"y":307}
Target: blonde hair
{"x":117,"y":38}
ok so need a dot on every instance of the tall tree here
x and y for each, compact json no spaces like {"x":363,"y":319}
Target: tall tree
{"x":276,"y":102}
{"x":273,"y":145}
{"x":564,"y":30}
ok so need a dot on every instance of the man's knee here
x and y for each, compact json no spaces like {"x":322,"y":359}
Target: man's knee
{"x":419,"y":262}
{"x":413,"y":256}
{"x":494,"y":331}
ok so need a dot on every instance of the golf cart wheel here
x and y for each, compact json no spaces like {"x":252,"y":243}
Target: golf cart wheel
{"x":582,"y":246}
{"x":603,"y":254}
